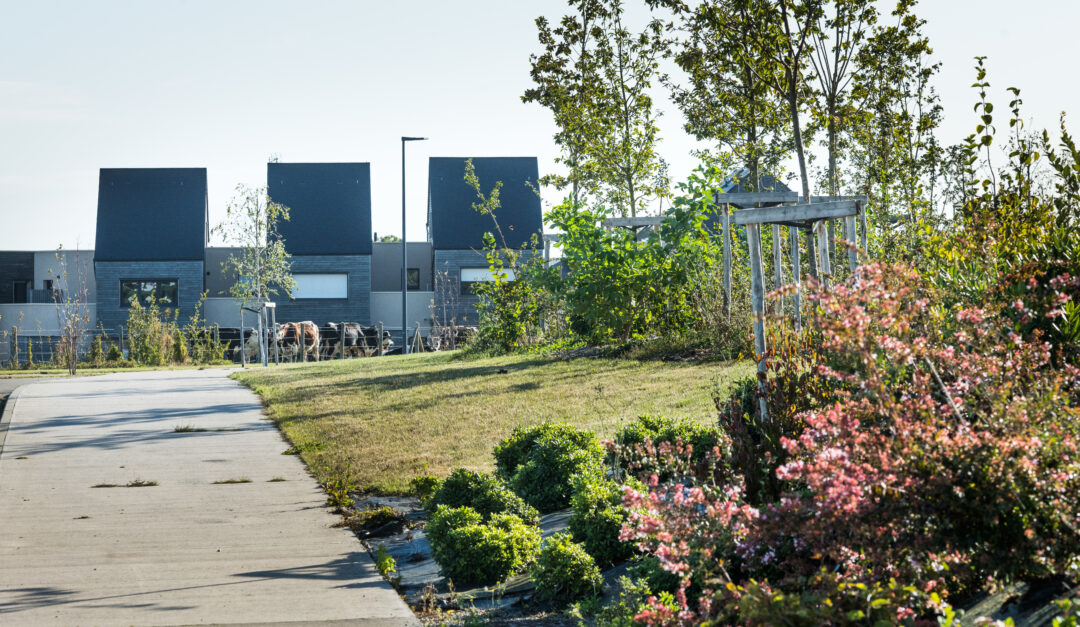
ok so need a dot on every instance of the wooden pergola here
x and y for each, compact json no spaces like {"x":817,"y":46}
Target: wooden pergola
{"x":779,"y":209}
{"x":776,"y":209}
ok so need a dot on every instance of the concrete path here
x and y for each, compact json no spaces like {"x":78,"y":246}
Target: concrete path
{"x":186,"y":551}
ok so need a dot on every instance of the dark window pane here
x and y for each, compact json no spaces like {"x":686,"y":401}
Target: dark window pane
{"x":413,"y":276}
{"x":164,"y":290}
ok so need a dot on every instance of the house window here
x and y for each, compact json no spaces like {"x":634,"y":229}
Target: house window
{"x":20,"y":291}
{"x":470,"y":276}
{"x":413,"y":277}
{"x":163,"y":290}
{"x":321,"y":286}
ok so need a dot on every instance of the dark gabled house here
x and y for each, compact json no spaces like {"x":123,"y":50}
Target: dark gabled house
{"x":328,"y":235}
{"x":151,"y":237}
{"x":456,"y":230}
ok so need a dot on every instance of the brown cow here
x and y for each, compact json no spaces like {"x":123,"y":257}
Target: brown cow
{"x":289,"y":335}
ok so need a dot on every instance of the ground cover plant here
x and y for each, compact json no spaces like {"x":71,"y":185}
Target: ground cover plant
{"x":388,"y":421}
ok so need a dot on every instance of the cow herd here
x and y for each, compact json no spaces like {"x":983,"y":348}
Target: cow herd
{"x":307,"y":341}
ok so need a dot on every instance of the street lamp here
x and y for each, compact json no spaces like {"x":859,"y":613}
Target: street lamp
{"x":404,"y":259}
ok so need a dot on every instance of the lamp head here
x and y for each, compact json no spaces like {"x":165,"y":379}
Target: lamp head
{"x":413,"y":139}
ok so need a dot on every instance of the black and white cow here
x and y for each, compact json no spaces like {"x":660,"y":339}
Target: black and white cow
{"x":355,"y":339}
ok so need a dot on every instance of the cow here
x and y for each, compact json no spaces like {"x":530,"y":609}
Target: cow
{"x":233,"y":340}
{"x":450,"y":337}
{"x":294,"y":337}
{"x":355,"y":339}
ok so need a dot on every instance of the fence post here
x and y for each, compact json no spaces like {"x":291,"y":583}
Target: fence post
{"x":379,"y":342}
{"x":243,"y":341}
{"x":342,"y":342}
{"x":861,"y":208}
{"x":757,"y":294}
{"x":14,"y":347}
{"x":303,"y":342}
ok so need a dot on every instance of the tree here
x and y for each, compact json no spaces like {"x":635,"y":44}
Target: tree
{"x":723,"y":99}
{"x":262,"y":266}
{"x":897,"y":159}
{"x":565,"y":80}
{"x":71,"y":296}
{"x":595,"y":76}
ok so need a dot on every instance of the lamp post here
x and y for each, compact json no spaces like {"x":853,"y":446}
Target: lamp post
{"x":404,"y":259}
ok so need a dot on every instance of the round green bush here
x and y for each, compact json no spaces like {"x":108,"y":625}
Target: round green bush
{"x":514,"y":451}
{"x":482,"y":492}
{"x":597,"y":518}
{"x":657,"y":429}
{"x":542,"y":463}
{"x":565,"y":571}
{"x":469,"y":551}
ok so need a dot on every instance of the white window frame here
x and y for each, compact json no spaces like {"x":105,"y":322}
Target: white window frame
{"x":321,"y":285}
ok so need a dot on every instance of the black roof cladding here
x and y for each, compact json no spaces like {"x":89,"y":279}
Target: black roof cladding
{"x":454,"y":224}
{"x":329,"y":206}
{"x":151,"y":214}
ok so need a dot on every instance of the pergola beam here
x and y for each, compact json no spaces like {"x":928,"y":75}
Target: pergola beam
{"x":634,"y":222}
{"x":749,"y":198}
{"x":797,"y":213}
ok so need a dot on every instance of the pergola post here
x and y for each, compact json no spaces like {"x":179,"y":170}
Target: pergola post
{"x":849,"y":235}
{"x":823,"y":251}
{"x":725,"y":221}
{"x":757,"y":294}
{"x":778,"y":271}
{"x":861,"y":211}
{"x":796,"y":274}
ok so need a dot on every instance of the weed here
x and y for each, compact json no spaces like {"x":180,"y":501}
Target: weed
{"x":139,"y":483}
{"x":187,"y":429}
{"x":83,"y":517}
{"x":337,"y":492}
{"x":387,"y":567}
{"x":365,"y":522}
{"x":106,"y":485}
{"x":276,"y":479}
{"x":232,"y":480}
{"x":22,"y":457}
{"x":297,"y":449}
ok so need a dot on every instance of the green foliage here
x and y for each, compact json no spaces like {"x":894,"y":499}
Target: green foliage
{"x":114,"y":354}
{"x":596,"y":75}
{"x":205,"y":347}
{"x":470,"y":551}
{"x":541,"y":462}
{"x":96,"y":355}
{"x":179,"y":348}
{"x":387,"y":566}
{"x":29,"y":353}
{"x":636,"y":443}
{"x":150,"y":332}
{"x":339,"y":491}
{"x":632,"y":600}
{"x":597,"y":518}
{"x":484,"y":493}
{"x":424,"y":487}
{"x":262,"y":265}
{"x":565,"y":571}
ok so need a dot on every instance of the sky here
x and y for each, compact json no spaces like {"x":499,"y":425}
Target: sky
{"x":228,"y":85}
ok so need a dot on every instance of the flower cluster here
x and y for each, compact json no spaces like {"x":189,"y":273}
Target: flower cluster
{"x":946,"y":456}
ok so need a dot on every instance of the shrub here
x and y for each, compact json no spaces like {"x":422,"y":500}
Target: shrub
{"x":470,"y":551}
{"x":97,"y":352}
{"x":179,"y":348}
{"x":150,"y":333}
{"x":114,"y":354}
{"x":632,"y":440}
{"x":597,"y":519}
{"x":565,"y":571}
{"x":484,"y":493}
{"x":633,"y":599}
{"x":514,"y":450}
{"x":424,"y":487}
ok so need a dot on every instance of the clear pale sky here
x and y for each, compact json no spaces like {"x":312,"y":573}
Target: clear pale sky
{"x":224,"y":85}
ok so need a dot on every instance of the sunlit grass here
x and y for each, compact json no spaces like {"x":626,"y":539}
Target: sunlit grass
{"x":384,"y":421}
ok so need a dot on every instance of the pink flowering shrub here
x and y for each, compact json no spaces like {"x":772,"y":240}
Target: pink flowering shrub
{"x":943,"y":454}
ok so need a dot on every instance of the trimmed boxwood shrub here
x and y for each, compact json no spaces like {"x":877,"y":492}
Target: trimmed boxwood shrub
{"x":597,"y":518}
{"x":514,"y":451}
{"x":657,"y":429}
{"x":484,"y":493}
{"x":543,"y":461}
{"x":469,"y":551}
{"x":565,"y":571}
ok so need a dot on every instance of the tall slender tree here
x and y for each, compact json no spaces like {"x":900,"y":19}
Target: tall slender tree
{"x":722,"y":98}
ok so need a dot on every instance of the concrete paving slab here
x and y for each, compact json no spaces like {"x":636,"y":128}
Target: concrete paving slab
{"x":186,"y":551}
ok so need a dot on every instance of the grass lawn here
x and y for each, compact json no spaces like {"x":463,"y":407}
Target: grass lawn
{"x":381,"y":422}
